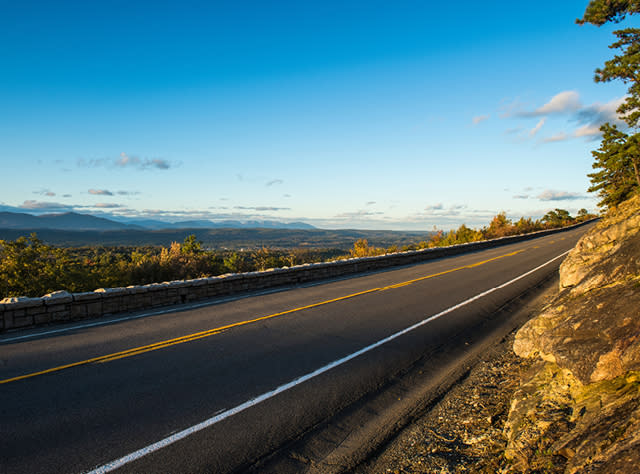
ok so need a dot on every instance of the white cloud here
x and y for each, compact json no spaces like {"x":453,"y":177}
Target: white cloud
{"x":262,"y":208}
{"x":104,"y":205}
{"x":568,"y":104}
{"x":536,"y":129}
{"x":588,"y":130}
{"x":357,"y":214}
{"x":38,"y":205}
{"x":100,"y":192}
{"x":596,"y":114}
{"x":434,"y":207}
{"x":521,"y":196}
{"x":45,"y":192}
{"x":479,"y":119}
{"x":558,"y":137}
{"x":567,"y":101}
{"x":126,"y":161}
{"x":550,"y":195}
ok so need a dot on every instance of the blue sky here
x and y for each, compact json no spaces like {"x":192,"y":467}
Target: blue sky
{"x":383,"y":115}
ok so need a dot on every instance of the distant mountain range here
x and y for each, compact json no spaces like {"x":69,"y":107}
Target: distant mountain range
{"x":85,"y":222}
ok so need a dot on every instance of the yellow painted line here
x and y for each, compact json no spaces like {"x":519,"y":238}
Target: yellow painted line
{"x":178,"y":340}
{"x":141,"y":350}
{"x":210,"y":332}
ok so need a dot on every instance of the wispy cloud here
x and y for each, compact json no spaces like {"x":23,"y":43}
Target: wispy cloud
{"x":41,"y":206}
{"x":104,"y":205}
{"x":521,"y":196}
{"x":126,"y":161}
{"x":536,"y":129}
{"x":273,"y":182}
{"x":589,"y":131}
{"x":598,"y":113}
{"x":550,"y":195}
{"x":479,"y":119}
{"x":562,"y":103}
{"x":358,"y":214}
{"x":262,"y":208}
{"x":370,"y":203}
{"x":45,"y":192}
{"x":558,"y":137}
{"x":100,"y":192}
{"x":434,"y":207}
{"x":568,"y":104}
{"x":128,"y":193}
{"x":136,"y":162}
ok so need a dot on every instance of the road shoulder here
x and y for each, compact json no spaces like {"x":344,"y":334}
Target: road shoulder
{"x":437,"y":413}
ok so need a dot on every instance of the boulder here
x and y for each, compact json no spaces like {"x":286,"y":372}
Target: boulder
{"x":578,"y":411}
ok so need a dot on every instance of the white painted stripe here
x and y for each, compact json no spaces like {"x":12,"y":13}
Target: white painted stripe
{"x":113,"y":465}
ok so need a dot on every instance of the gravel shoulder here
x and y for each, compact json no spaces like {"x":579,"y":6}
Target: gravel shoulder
{"x":463,"y":431}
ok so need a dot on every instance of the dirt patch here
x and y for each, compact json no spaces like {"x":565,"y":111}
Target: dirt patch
{"x":463,"y":432}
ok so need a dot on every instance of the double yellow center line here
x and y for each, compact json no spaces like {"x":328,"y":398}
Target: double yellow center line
{"x":210,"y":332}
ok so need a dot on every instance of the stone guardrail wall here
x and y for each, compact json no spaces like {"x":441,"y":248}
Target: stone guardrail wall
{"x":60,"y":306}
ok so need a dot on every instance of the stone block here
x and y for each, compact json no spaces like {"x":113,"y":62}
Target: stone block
{"x":137,"y":289}
{"x":112,"y":305}
{"x":21,"y":319}
{"x":57,"y":297}
{"x":63,"y":315}
{"x":21,"y":302}
{"x":199,"y":292}
{"x":172,"y":292}
{"x":135,"y":302}
{"x":214,"y":289}
{"x":78,"y":310}
{"x":87,"y":297}
{"x":94,"y":309}
{"x":7,"y":320}
{"x":42,"y":318}
{"x":57,"y":308}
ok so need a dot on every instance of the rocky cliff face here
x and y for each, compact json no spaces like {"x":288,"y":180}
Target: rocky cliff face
{"x":579,"y":408}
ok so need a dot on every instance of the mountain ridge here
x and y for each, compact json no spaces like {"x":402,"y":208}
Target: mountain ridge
{"x":81,"y":222}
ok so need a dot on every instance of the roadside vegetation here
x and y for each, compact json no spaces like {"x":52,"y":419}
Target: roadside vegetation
{"x":30,"y":267}
{"x":500,"y":226}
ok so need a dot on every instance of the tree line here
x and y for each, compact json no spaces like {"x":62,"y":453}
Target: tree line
{"x":500,"y":226}
{"x":30,"y":267}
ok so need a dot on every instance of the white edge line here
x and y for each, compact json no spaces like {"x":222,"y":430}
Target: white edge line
{"x":111,"y":466}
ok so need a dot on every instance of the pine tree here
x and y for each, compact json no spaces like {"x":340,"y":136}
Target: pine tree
{"x":618,"y":158}
{"x":617,"y":162}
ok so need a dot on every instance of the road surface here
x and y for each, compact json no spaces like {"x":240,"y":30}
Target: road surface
{"x":213,"y":387}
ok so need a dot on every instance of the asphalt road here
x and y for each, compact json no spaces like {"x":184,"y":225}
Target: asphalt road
{"x":213,"y":387}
